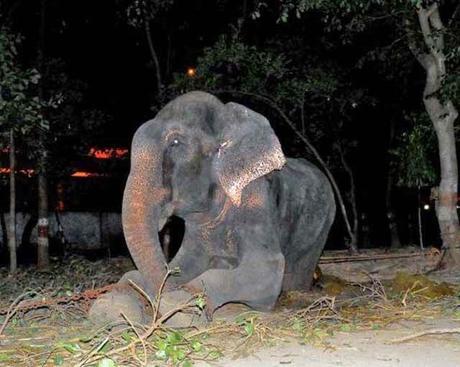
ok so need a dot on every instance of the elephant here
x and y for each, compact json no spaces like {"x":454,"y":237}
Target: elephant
{"x":254,"y":222}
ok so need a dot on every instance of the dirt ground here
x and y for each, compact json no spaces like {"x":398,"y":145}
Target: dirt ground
{"x":374,"y":348}
{"x":356,"y":316}
{"x":371,"y":348}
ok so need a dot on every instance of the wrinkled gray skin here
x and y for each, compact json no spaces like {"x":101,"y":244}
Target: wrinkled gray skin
{"x":255,"y":223}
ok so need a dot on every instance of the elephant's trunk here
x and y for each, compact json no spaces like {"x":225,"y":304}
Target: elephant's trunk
{"x":140,"y":216}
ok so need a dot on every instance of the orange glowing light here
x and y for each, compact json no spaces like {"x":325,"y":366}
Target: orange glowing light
{"x":191,"y":72}
{"x":108,"y":153}
{"x":86,"y":174}
{"x":26,"y":171}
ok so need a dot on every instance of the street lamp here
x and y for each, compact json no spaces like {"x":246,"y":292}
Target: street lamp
{"x":191,"y":72}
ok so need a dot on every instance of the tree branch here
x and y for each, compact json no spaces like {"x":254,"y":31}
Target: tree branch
{"x":153,"y":54}
{"x":421,"y":57}
{"x":428,"y":19}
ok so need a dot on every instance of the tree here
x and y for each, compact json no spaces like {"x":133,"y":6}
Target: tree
{"x":434,"y":44}
{"x":432,"y":56}
{"x":19,"y":113}
{"x":413,"y":164}
{"x":140,"y":14}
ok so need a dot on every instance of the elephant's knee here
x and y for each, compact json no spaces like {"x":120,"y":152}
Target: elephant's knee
{"x":133,"y":276}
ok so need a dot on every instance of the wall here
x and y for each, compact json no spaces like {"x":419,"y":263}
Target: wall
{"x":82,"y":230}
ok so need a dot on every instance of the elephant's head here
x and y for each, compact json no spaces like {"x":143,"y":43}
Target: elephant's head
{"x":195,"y":148}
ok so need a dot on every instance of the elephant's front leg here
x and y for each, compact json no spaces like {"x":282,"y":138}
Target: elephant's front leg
{"x":193,"y":256}
{"x":256,"y":282}
{"x":256,"y":278}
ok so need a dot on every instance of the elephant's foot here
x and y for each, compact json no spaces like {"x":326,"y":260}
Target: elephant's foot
{"x":115,"y":306}
{"x":124,"y":301}
{"x":173,"y":301}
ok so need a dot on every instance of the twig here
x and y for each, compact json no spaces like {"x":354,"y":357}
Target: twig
{"x":14,"y":307}
{"x":343,"y":259}
{"x":426,"y":332}
{"x":138,"y":335}
{"x":92,"y":352}
{"x":155,"y":324}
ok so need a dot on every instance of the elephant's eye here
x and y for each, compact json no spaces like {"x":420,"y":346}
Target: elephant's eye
{"x":175,"y":142}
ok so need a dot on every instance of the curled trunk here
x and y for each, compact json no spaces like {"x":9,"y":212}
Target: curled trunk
{"x":141,"y":216}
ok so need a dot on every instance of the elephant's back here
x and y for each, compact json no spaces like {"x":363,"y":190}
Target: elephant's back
{"x":299,"y":181}
{"x":301,"y":194}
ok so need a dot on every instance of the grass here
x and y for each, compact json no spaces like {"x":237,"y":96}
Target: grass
{"x":56,"y":332}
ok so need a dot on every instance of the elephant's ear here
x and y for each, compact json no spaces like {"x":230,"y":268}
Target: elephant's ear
{"x":249,"y":149}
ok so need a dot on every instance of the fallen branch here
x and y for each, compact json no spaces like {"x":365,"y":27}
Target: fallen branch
{"x":87,"y":295}
{"x":14,"y":307}
{"x":426,"y":332}
{"x":155,"y":325}
{"x":343,"y":259}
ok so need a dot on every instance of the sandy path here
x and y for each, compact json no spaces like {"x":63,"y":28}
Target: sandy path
{"x":365,"y":349}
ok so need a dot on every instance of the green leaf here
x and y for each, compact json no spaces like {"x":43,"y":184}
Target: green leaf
{"x":200,"y":302}
{"x":86,"y":339}
{"x":249,"y":327}
{"x":105,"y":347}
{"x":58,"y":360}
{"x":187,"y":363}
{"x":174,"y":337}
{"x":298,"y":325}
{"x":126,"y":337}
{"x":106,"y":362}
{"x":196,"y":346}
{"x":161,"y":354}
{"x":71,"y":347}
{"x":178,"y":355}
{"x":215,"y":354}
{"x":345,"y":327}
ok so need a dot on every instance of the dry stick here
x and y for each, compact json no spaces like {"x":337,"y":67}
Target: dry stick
{"x":96,"y":349}
{"x":138,"y":335}
{"x":155,"y":308}
{"x":426,"y":332}
{"x":343,"y":259}
{"x":141,"y":337}
{"x":291,"y":124}
{"x":156,"y":325}
{"x":15,"y":305}
{"x":156,"y":322}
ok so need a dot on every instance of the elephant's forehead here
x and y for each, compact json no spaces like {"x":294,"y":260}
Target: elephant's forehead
{"x":161,"y":128}
{"x":191,"y":115}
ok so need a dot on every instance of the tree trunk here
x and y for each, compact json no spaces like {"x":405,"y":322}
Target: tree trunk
{"x":12,"y":219}
{"x":442,"y":114}
{"x":395,"y":241}
{"x":419,"y":219}
{"x":153,"y":54}
{"x":42,"y":227}
{"x":352,"y":198}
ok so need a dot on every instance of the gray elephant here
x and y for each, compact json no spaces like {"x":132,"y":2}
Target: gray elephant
{"x":255,"y":222}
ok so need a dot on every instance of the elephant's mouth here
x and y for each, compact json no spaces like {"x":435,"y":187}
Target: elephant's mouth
{"x":171,"y":236}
